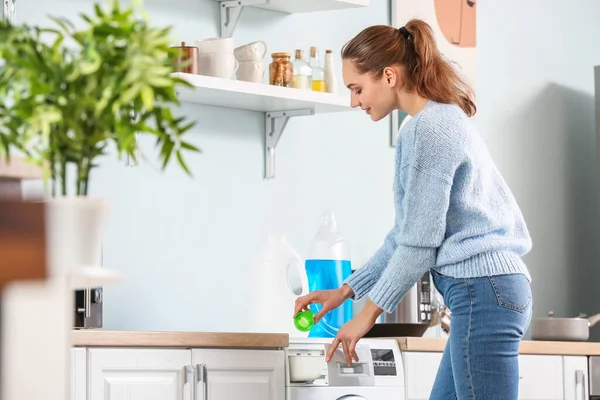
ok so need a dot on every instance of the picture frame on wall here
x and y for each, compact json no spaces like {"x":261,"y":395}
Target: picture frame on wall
{"x":454,"y":26}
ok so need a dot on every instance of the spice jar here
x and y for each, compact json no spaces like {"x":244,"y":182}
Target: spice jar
{"x":187,"y":59}
{"x":281,"y":70}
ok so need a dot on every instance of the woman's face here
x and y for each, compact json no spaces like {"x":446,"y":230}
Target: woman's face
{"x":376,"y":96}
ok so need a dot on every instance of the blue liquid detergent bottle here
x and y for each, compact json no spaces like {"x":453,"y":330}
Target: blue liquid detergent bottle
{"x":327,"y":265}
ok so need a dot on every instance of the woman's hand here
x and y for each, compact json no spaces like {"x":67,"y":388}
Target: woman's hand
{"x":329,"y":299}
{"x":353,"y":331}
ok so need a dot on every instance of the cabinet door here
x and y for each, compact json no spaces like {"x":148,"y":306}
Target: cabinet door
{"x":575,"y":374}
{"x":540,"y":377}
{"x":78,"y":373}
{"x":240,"y":374}
{"x":421,"y":369}
{"x":139,"y":374}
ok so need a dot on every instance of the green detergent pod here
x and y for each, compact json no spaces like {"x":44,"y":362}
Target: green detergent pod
{"x":304,"y":320}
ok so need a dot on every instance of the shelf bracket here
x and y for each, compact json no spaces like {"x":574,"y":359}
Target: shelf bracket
{"x":8,"y":11}
{"x":231,"y":11}
{"x":275,"y":123}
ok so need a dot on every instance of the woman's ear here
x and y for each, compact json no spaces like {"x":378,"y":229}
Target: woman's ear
{"x":391,"y":77}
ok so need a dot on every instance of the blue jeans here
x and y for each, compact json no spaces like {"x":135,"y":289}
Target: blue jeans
{"x":490,"y":315}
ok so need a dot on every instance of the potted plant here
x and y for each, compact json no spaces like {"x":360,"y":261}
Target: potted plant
{"x":68,"y":94}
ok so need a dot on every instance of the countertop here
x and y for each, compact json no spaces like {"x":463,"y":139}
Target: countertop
{"x":229,"y":340}
{"x":240,"y":340}
{"x":527,"y":346}
{"x":18,"y":169}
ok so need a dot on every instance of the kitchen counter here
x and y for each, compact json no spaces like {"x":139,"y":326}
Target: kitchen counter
{"x":527,"y":346}
{"x":229,"y":340}
{"x":19,"y":169}
{"x":241,"y":340}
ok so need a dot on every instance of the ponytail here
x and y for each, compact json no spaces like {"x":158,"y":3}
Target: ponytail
{"x":412,"y":46}
{"x":433,"y":76}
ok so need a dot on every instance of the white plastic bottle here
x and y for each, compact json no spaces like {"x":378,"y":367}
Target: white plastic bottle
{"x":327,"y":266}
{"x":277,"y":279}
{"x":330,"y":78}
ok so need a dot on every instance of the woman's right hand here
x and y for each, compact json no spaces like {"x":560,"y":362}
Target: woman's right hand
{"x":329,"y":299}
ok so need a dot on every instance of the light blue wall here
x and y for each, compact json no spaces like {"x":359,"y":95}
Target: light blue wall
{"x":536,"y":111}
{"x":186,"y":247}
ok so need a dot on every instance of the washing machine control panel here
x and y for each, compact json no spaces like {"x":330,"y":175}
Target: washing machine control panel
{"x":384,"y":362}
{"x":380,"y":364}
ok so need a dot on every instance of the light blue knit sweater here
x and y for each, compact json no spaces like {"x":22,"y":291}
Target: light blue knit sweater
{"x":454,"y":211}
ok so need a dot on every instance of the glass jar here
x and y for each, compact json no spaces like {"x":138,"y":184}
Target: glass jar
{"x":281,"y":70}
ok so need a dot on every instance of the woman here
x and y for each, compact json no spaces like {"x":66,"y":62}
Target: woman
{"x":455,"y":217}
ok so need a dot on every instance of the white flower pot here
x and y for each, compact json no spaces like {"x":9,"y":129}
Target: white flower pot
{"x":75,"y":228}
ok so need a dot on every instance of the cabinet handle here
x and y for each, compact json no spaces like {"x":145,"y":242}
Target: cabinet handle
{"x":202,"y":371}
{"x":190,"y":378}
{"x":580,"y":383}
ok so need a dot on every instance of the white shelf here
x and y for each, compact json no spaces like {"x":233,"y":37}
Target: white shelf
{"x":278,"y":103}
{"x":242,"y":95}
{"x":304,"y":6}
{"x":93,"y":277}
{"x":231,"y":10}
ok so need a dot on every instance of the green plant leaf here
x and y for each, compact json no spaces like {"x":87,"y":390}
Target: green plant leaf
{"x":147,"y":96}
{"x":68,"y":90}
{"x":189,"y":146}
{"x":183,"y":164}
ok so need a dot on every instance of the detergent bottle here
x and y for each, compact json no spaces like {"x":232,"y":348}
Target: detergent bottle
{"x":327,"y":265}
{"x":276,"y":281}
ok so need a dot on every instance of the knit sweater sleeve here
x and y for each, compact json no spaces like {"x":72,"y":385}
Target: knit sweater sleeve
{"x":363,"y":279}
{"x":420,"y":231}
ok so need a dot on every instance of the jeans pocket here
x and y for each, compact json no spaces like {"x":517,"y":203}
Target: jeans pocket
{"x":512,"y":291}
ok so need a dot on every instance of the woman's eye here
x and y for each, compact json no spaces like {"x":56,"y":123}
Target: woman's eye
{"x":358,"y":91}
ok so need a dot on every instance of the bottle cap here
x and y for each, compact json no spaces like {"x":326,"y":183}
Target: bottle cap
{"x":304,"y":320}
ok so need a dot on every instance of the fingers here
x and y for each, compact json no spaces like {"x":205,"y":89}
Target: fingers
{"x":352,"y":350}
{"x":332,"y":349}
{"x":349,"y":347}
{"x":303,"y":302}
{"x":324,"y":310}
{"x":345,"y":345}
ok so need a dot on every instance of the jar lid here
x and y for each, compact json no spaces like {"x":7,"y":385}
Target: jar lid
{"x":281,"y":54}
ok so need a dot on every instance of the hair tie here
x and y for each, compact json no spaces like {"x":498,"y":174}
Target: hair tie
{"x":405,"y":33}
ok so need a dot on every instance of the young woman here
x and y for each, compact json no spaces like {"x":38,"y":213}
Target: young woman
{"x":455,"y":217}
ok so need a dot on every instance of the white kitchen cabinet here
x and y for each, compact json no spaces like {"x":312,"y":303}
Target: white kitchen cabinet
{"x":78,"y":373}
{"x":241,"y":374}
{"x":575,"y":377}
{"x":540,"y":376}
{"x":421,"y":368}
{"x":175,"y":374}
{"x":138,"y":374}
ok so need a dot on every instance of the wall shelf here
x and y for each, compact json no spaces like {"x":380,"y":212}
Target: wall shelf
{"x":304,"y":6}
{"x":278,"y":103}
{"x":231,"y":10}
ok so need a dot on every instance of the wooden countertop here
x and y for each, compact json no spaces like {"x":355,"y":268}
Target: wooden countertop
{"x":229,"y":340}
{"x":18,"y":169}
{"x":527,"y":346}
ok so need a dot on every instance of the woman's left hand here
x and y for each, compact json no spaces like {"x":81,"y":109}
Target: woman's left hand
{"x":353,"y":331}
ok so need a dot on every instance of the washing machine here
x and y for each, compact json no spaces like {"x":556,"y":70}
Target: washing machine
{"x":378,"y":375}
